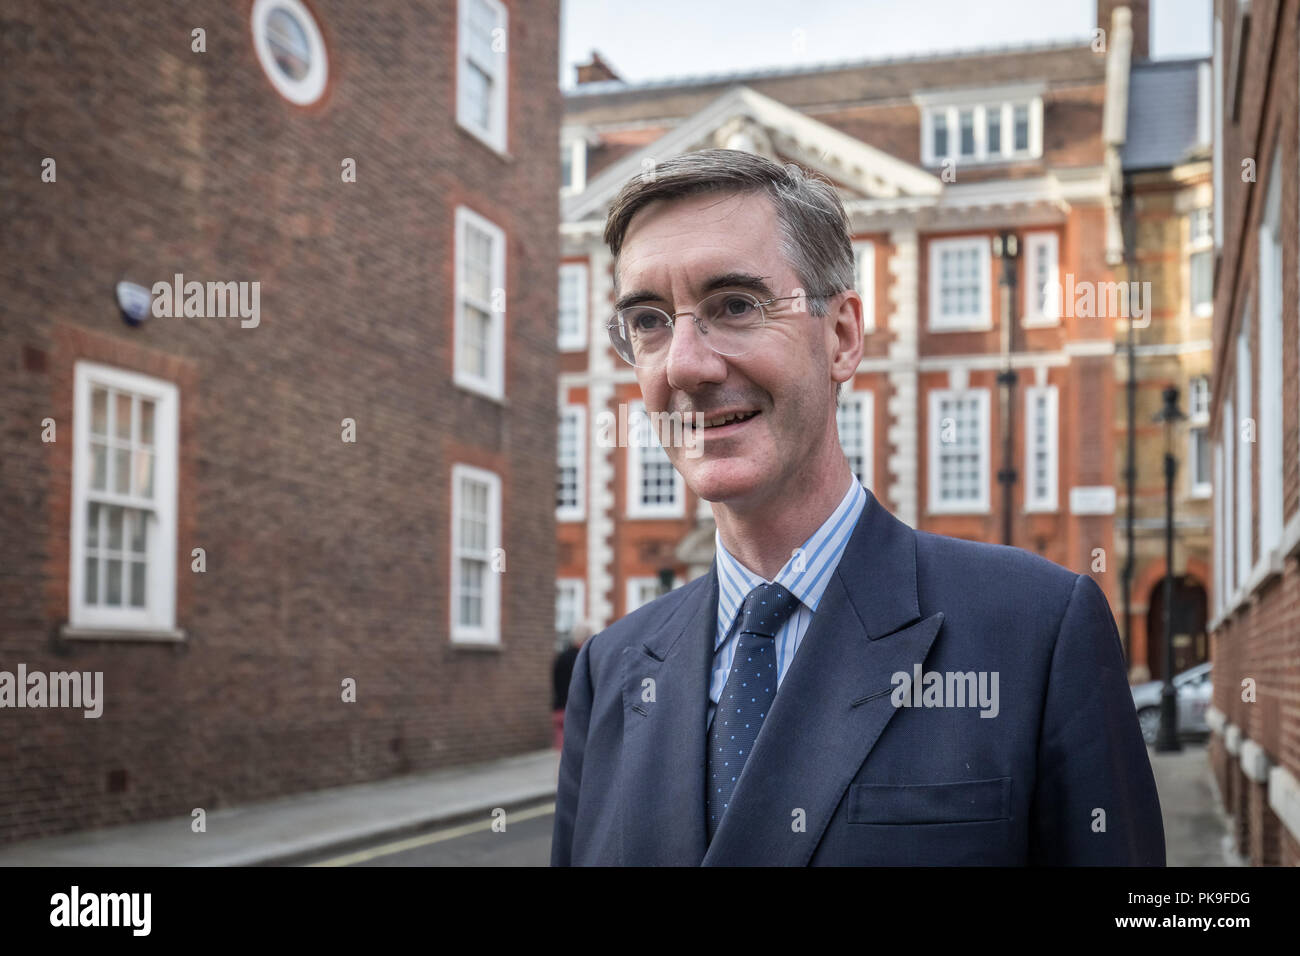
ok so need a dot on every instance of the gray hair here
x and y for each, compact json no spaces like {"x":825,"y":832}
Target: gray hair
{"x":814,"y":226}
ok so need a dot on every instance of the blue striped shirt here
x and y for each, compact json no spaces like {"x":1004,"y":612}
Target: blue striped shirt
{"x":805,"y":576}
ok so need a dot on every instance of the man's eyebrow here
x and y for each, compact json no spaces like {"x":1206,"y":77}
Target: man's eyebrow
{"x":727,"y":280}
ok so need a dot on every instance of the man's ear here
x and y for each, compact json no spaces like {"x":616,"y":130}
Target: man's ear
{"x":844,"y":333}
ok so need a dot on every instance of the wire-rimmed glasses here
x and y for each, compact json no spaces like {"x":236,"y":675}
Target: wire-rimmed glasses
{"x":727,"y":321}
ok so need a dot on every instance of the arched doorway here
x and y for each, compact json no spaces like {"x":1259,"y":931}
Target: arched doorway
{"x":1191,"y":643}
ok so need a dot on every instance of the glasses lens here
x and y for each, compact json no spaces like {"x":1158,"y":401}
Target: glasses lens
{"x":729,"y":318}
{"x":641,"y":335}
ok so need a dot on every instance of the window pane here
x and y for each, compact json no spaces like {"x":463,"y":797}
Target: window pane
{"x":1022,"y":128}
{"x":113,"y":589}
{"x":99,"y":412}
{"x":940,"y":135}
{"x":482,"y":21}
{"x":967,"y":120}
{"x":92,"y":525}
{"x":92,"y":580}
{"x":288,"y":42}
{"x":993,"y":137}
{"x":136,"y":521}
{"x":144,"y":474}
{"x":477,"y":96}
{"x":99,"y":466}
{"x":146,"y":421}
{"x":471,"y":598}
{"x":121,"y":471}
{"x":122,"y":416}
{"x":478,"y":263}
{"x":474,"y":349}
{"x":116,"y":516}
{"x":1202,"y":279}
{"x":137,"y":583}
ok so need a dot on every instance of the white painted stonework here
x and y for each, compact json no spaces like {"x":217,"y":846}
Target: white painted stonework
{"x":901,"y":486}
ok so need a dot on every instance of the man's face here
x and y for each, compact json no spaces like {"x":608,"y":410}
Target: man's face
{"x":675,"y":253}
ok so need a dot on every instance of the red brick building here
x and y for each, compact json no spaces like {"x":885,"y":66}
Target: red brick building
{"x":945,"y":163}
{"x":290,"y":523}
{"x":1255,"y":422}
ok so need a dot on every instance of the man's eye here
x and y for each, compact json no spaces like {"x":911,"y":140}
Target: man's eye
{"x":644,"y":321}
{"x":736,"y":306}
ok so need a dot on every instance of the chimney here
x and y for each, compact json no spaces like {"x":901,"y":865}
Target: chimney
{"x":1141,"y":23}
{"x":596,"y":71}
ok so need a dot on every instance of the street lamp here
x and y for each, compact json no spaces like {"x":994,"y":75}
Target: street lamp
{"x":666,"y":576}
{"x":1006,"y":247}
{"x":1167,"y":739}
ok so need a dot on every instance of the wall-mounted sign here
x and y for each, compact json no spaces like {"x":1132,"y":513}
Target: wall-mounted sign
{"x":1093,"y":500}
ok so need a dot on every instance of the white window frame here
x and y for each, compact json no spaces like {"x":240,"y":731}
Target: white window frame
{"x":1269,"y":423}
{"x":578,"y":511}
{"x":864,"y":269}
{"x":982,"y":320}
{"x":1200,"y":245}
{"x":1227,"y":493}
{"x":865,"y":402}
{"x":576,"y":147}
{"x":1039,"y":246}
{"x":494,"y":134}
{"x":490,"y":630}
{"x":312,"y":86}
{"x":1219,"y":575}
{"x":574,"y":340}
{"x":1198,"y":421}
{"x":159,"y":612}
{"x":936,"y":504}
{"x":1043,"y":499}
{"x":1216,"y":132}
{"x":1245,"y":486}
{"x":636,"y":461}
{"x":980,"y":105}
{"x":578,"y":588}
{"x":493,"y":384}
{"x":640,"y":581}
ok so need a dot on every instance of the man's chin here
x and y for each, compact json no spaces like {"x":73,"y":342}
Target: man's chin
{"x":725,"y":482}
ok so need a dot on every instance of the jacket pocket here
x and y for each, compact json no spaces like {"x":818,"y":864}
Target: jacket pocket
{"x":969,"y":801}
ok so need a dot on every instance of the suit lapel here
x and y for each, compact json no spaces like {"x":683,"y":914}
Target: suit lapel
{"x":833,"y":703}
{"x":665,"y":696}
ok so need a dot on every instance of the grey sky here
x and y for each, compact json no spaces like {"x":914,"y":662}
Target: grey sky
{"x":672,"y":38}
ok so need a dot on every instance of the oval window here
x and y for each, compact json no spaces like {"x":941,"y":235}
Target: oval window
{"x":291,"y":49}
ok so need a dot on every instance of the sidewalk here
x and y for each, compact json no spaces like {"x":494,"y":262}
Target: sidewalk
{"x":292,"y":826}
{"x":1196,"y":827}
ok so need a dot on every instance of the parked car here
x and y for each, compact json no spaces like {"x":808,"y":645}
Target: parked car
{"x":1194,"y":689}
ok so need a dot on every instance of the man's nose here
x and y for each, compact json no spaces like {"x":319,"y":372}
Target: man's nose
{"x":690,"y":360}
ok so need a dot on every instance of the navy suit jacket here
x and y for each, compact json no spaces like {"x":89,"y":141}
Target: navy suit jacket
{"x":839,"y":774}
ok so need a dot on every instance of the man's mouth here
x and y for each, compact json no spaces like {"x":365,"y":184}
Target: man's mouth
{"x":723,"y":420}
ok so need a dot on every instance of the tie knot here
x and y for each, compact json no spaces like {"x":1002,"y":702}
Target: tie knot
{"x":766,"y":608}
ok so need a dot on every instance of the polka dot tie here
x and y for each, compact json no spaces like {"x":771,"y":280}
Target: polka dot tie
{"x":747,"y":697}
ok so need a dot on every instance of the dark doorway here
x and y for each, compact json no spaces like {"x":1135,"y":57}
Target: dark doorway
{"x":1191,"y":644}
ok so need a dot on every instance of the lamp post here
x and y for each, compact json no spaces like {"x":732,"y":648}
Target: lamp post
{"x":1167,"y":739}
{"x":1006,"y":247}
{"x":666,"y":576}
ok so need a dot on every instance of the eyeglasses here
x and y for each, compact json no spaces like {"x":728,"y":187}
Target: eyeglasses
{"x":726,"y":320}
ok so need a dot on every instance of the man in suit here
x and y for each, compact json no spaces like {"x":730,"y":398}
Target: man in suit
{"x":840,"y":688}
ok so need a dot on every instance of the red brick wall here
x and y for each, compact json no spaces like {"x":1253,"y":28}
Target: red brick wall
{"x":1261,"y":639}
{"x":325,"y":560}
